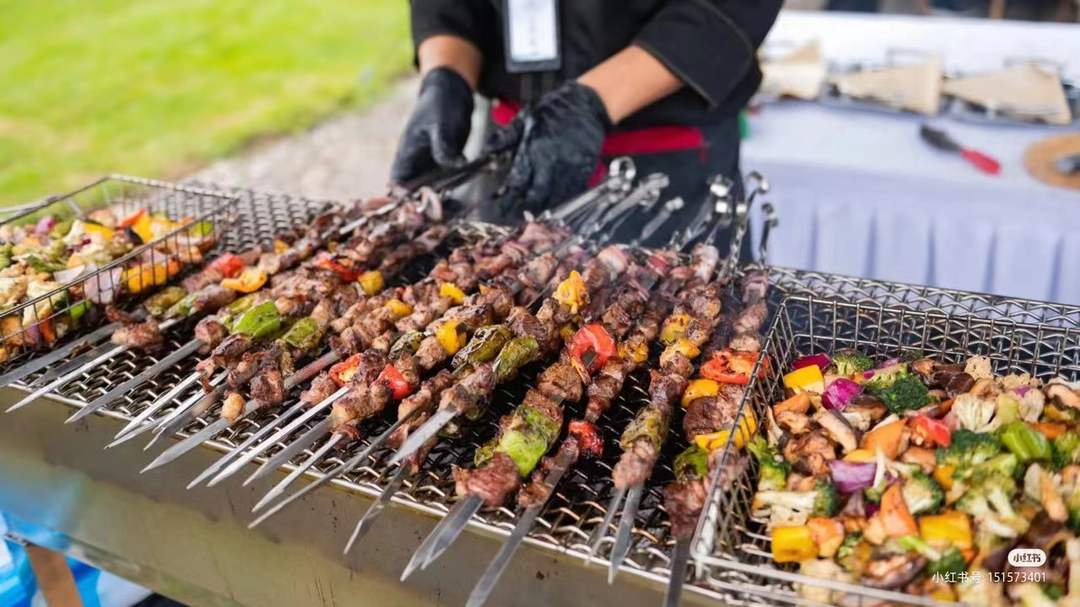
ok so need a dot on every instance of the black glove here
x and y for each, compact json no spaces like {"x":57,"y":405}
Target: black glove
{"x":556,"y":147}
{"x":438,"y":128}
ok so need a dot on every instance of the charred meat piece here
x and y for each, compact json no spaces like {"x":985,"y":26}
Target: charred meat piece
{"x":211,"y":332}
{"x":810,"y":453}
{"x":561,"y":381}
{"x":229,"y":351}
{"x":322,"y":387}
{"x":196,"y":282}
{"x":115,"y":314}
{"x":751,"y":319}
{"x":143,"y":335}
{"x":213,"y":297}
{"x":492,"y":482}
{"x":524,"y":324}
{"x":635,"y":465}
{"x":465,"y":394}
{"x":712,"y":414}
{"x":606,"y":386}
{"x":268,"y":385}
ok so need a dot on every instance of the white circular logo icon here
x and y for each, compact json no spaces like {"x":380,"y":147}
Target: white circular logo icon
{"x":1027,"y":557}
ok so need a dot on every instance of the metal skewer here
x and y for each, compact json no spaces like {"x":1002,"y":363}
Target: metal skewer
{"x":251,"y":440}
{"x":40,"y":363}
{"x":626,"y":525}
{"x":601,"y":530}
{"x":116,"y":393}
{"x":250,"y":407}
{"x":373,"y":511}
{"x":277,"y":437}
{"x":63,"y":379}
{"x":187,"y":413}
{"x":307,"y":439}
{"x":450,"y":527}
{"x":75,"y":363}
{"x":494,"y":571}
{"x":137,"y":427}
{"x":295,"y":474}
{"x":344,"y":468}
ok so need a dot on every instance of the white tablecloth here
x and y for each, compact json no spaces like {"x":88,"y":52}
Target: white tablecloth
{"x":861,"y":194}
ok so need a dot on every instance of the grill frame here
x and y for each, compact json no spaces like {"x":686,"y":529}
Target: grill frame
{"x":820,"y":312}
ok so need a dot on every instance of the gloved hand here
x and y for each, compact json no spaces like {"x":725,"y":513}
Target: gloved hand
{"x":438,"y":128}
{"x":556,"y":147}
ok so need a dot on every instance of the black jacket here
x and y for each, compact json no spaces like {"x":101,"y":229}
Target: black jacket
{"x":710,"y":45}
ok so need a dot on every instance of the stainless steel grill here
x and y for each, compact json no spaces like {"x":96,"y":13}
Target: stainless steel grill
{"x":821,"y":313}
{"x":571,"y":516}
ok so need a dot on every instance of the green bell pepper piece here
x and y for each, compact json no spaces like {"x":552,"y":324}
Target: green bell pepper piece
{"x":305,"y":334}
{"x":161,"y":302}
{"x":649,"y":424}
{"x":693,"y":463}
{"x":485,"y":345}
{"x":258,"y":322}
{"x":527,"y":438}
{"x":1025,"y":442}
{"x":517,"y":353}
{"x":406,"y":345}
{"x":77,"y":311}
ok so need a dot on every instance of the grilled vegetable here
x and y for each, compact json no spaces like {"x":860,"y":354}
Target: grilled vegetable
{"x":452,"y":293}
{"x":305,"y":334}
{"x":159,"y":303}
{"x":249,"y":281}
{"x":258,"y":322}
{"x":517,"y":353}
{"x":485,"y":345}
{"x":372,"y":282}
{"x":452,"y":336}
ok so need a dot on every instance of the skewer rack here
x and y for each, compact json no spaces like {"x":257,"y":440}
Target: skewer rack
{"x":194,"y":545}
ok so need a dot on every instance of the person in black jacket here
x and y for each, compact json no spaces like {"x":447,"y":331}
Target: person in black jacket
{"x":659,"y":80}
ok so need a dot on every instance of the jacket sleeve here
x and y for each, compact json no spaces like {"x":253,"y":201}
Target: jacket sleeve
{"x":473,"y":20}
{"x":710,"y":45}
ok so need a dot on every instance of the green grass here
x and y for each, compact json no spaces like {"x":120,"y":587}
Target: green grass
{"x":158,"y":88}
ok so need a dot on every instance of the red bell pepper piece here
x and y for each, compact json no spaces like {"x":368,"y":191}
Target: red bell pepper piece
{"x":588,"y":439}
{"x":592,"y":338}
{"x":344,"y":371}
{"x":733,"y":366}
{"x":931,"y":431}
{"x":229,"y":264}
{"x":339,"y":264}
{"x":391,"y":378}
{"x":132,"y":219}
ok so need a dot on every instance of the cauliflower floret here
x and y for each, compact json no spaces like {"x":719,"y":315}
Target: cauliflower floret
{"x":1017,"y":380}
{"x":978,"y":367}
{"x":822,"y":569}
{"x":974,"y":413}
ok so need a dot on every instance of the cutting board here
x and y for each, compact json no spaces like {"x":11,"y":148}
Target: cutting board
{"x":1040,"y":156}
{"x":916,"y":88}
{"x":1025,"y":87}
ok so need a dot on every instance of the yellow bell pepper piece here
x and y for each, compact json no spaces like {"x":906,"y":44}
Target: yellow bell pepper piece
{"x":793,"y":544}
{"x":451,"y":292}
{"x":249,"y":281}
{"x":95,"y":228}
{"x":861,"y":456}
{"x":699,"y":388}
{"x":146,"y":276}
{"x":567,"y":331}
{"x":399,"y":308}
{"x":572,"y":293}
{"x":371,"y":282}
{"x":280,"y":246}
{"x":808,"y":378}
{"x":947,"y":529}
{"x":716,"y":440}
{"x":637,"y":352}
{"x":452,"y":336}
{"x":674,"y":328}
{"x":943,"y":475}
{"x":943,"y":594}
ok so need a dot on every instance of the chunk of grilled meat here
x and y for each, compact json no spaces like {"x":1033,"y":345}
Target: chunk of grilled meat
{"x":320,"y":389}
{"x":685,"y":498}
{"x":213,"y":297}
{"x":635,"y":465}
{"x":560,"y":381}
{"x":714,"y":413}
{"x":143,"y":335}
{"x":211,"y":332}
{"x":491,"y":482}
{"x":204,"y":278}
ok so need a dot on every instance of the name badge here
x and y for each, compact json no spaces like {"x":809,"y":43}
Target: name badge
{"x":531,"y":32}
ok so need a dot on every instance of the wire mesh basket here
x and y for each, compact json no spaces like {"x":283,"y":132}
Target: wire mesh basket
{"x":170,"y":228}
{"x":822,"y":313}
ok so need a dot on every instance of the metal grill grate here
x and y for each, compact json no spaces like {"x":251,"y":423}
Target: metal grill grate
{"x":824,"y":313}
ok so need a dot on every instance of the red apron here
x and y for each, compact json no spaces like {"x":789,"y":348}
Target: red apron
{"x":652,"y":140}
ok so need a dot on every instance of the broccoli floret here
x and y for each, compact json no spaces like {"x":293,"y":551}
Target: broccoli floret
{"x":773,"y":470}
{"x":883,"y":378}
{"x":904,"y":393}
{"x":1072,"y":503}
{"x":943,"y":562}
{"x":850,"y":362}
{"x":1066,"y":449}
{"x":822,"y":501}
{"x":922,"y":494}
{"x":845,"y":555}
{"x":967,"y":450}
{"x":1005,"y":464}
{"x":913,"y":356}
{"x":989,"y":501}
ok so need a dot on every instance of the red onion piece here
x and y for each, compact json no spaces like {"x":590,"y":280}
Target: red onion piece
{"x":821,"y":361}
{"x":45,"y":225}
{"x":889,"y":363}
{"x":1021,"y":391}
{"x":102,"y":288}
{"x":68,"y":275}
{"x":850,"y":477}
{"x":839,"y":394}
{"x":871,"y":509}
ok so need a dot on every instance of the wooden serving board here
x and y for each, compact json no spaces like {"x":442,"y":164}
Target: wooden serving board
{"x":1041,"y":155}
{"x":916,"y":88}
{"x":1025,"y":87}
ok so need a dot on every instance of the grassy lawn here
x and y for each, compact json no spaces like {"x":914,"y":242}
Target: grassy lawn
{"x":158,"y":88}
